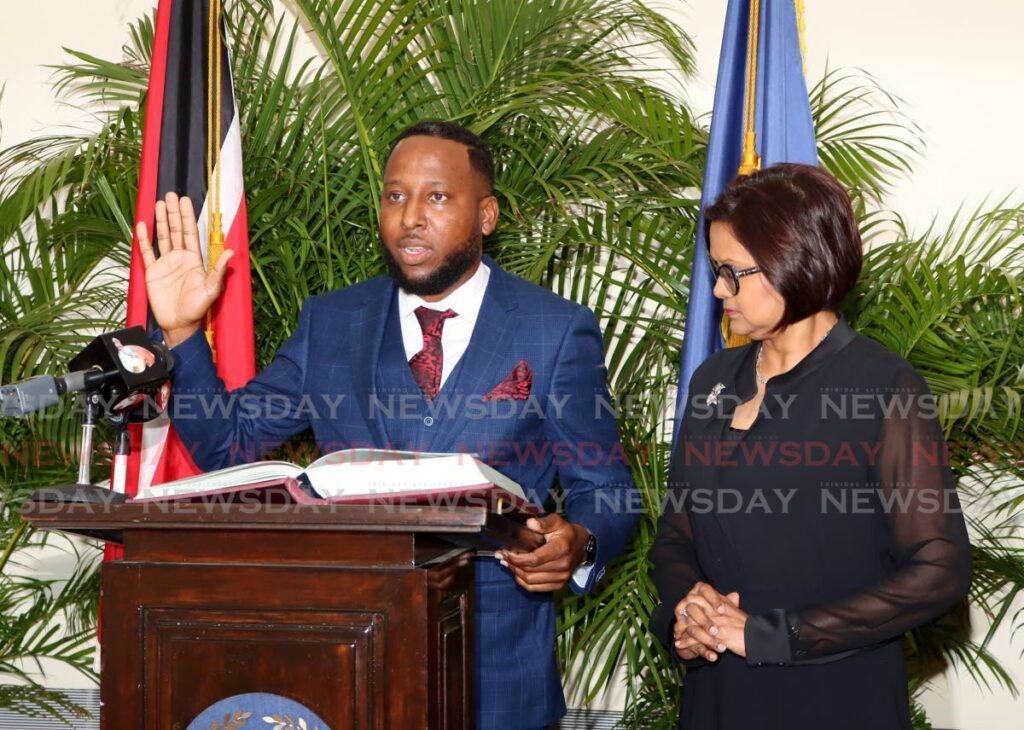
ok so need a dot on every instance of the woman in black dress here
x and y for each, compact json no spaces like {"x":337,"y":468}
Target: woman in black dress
{"x":811,"y":517}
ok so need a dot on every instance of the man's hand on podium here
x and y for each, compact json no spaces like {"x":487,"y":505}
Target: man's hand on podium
{"x":549,"y":567}
{"x":180,"y":289}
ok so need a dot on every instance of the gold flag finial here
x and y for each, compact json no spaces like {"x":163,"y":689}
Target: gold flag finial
{"x":750,"y":161}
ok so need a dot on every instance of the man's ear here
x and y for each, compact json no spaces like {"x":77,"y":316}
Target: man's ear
{"x":488,"y":214}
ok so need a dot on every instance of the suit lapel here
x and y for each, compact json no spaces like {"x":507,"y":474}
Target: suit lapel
{"x":369,"y":336}
{"x":479,"y":368}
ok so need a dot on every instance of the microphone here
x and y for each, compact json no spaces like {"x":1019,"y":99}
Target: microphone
{"x":126,"y":368}
{"x":43,"y":391}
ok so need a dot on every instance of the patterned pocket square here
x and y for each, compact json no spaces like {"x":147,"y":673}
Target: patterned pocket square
{"x":515,"y":386}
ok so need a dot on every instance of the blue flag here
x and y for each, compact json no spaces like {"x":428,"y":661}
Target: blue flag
{"x":785,"y":133}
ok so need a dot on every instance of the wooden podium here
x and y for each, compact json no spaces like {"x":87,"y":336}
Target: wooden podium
{"x":362,"y":614}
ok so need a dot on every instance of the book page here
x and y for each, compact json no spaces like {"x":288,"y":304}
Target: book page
{"x":234,"y":476}
{"x":370,"y":455}
{"x":379,"y":471}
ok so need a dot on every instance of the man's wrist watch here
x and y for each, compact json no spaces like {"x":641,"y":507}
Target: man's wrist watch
{"x":590,"y":555}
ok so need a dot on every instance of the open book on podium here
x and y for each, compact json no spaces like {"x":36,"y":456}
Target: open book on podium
{"x":358,"y":476}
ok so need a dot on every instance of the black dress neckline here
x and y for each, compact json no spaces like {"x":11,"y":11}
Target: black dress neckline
{"x":839,"y":337}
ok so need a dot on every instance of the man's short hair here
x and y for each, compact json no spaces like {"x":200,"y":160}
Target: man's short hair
{"x":798,"y":225}
{"x":480,"y":158}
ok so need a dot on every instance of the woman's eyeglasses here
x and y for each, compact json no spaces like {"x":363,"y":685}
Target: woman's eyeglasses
{"x":731,"y":275}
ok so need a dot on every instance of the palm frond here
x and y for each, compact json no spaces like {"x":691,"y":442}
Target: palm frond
{"x":864,"y":138}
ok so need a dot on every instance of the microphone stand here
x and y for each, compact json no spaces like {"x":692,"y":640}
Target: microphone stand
{"x":90,"y":415}
{"x":84,"y":490}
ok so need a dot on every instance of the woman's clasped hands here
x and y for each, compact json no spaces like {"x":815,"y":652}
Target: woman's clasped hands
{"x":709,"y":623}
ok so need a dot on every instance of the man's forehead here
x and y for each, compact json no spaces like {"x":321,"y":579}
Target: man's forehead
{"x":441,"y":160}
{"x":392,"y":179}
{"x":424,"y":150}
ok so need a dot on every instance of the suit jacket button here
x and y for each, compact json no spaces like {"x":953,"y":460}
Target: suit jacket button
{"x":428,"y":421}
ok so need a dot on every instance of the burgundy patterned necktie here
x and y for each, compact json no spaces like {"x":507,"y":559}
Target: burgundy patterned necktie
{"x":427,"y":363}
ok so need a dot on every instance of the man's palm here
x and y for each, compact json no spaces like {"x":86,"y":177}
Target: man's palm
{"x":180,"y":290}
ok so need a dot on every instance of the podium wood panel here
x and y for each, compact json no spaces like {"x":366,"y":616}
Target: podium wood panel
{"x":366,"y":619}
{"x":344,"y":647}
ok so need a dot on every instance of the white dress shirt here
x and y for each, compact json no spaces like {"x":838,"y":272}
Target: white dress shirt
{"x":466,"y":302}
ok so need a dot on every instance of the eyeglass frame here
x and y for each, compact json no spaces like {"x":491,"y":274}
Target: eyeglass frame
{"x":737,"y":274}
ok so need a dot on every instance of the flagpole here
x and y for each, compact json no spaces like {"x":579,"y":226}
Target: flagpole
{"x":750,"y":161}
{"x":215,"y":237}
{"x":801,"y":33}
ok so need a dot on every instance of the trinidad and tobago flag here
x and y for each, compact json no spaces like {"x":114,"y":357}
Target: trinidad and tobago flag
{"x":190,"y":74}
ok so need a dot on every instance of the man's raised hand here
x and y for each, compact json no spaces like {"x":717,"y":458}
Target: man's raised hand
{"x":180,"y":289}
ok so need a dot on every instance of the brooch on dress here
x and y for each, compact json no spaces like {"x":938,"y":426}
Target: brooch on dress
{"x":713,"y":395}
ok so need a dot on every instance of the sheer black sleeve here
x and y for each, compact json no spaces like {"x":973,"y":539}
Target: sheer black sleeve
{"x":675,"y":563}
{"x":928,"y":546}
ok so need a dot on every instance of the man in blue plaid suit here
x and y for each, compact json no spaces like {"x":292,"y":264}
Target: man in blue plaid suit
{"x":446,"y":353}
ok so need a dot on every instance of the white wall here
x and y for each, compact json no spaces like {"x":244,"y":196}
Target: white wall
{"x":31,"y":37}
{"x":958,"y":66}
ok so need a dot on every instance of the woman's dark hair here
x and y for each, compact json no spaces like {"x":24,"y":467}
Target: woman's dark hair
{"x":480,"y":158}
{"x":797,"y":223}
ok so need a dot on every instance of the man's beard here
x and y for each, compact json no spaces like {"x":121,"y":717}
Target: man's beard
{"x":455,"y":265}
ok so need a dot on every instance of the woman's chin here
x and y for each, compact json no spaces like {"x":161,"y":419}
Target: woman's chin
{"x":739,"y":327}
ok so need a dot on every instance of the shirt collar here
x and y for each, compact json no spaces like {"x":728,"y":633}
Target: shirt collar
{"x":839,"y":337}
{"x":464,"y":301}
